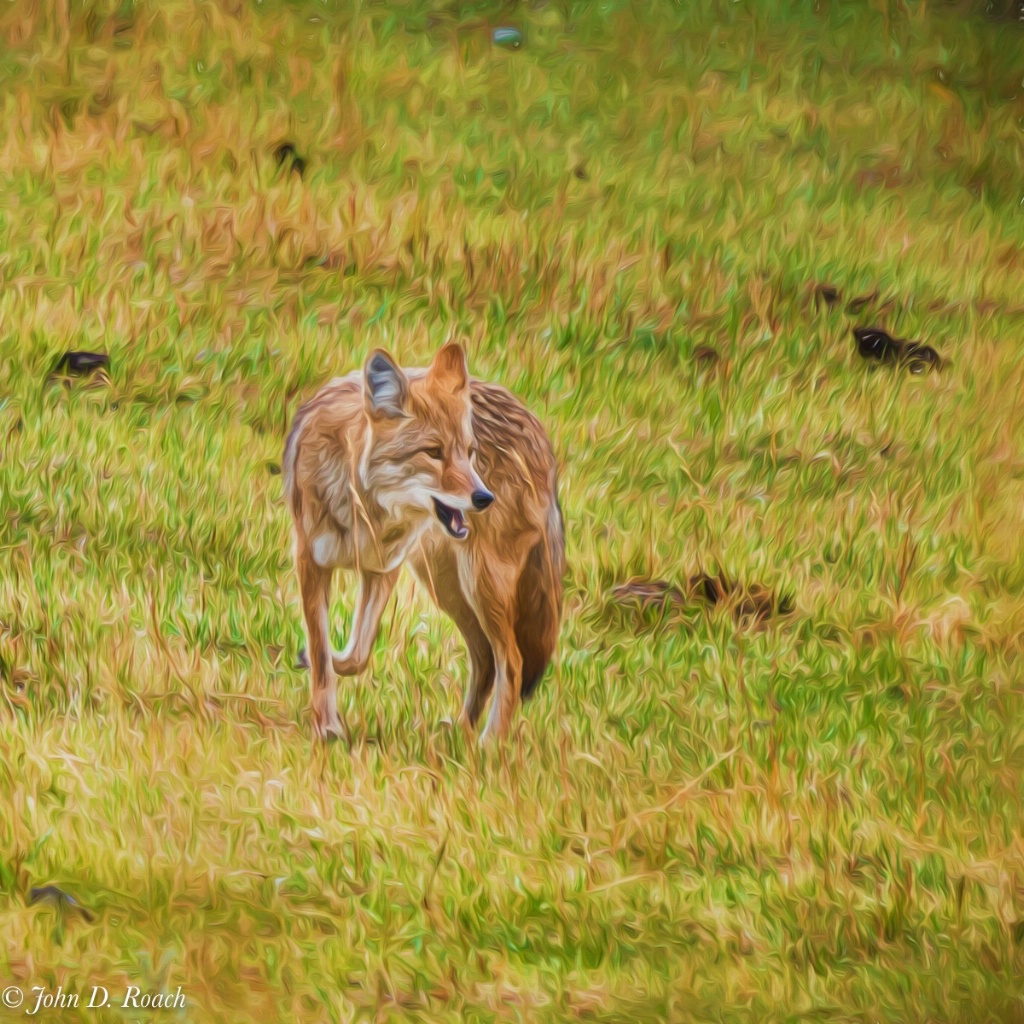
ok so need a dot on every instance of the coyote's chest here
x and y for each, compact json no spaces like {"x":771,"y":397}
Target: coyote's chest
{"x":334,"y":549}
{"x":345,"y":534}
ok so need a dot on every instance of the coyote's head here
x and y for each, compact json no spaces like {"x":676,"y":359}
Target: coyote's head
{"x":419,"y":456}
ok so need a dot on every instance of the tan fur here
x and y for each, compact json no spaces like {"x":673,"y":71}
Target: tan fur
{"x":360,"y":487}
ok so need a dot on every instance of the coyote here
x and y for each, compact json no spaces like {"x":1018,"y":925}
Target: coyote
{"x":387,"y":466}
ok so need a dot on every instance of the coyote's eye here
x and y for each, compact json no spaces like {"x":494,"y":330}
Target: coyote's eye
{"x":434,"y":453}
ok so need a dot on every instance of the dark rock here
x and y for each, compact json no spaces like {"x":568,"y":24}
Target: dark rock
{"x":508,"y":38}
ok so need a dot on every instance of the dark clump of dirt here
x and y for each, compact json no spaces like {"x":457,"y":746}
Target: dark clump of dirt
{"x":59,"y":898}
{"x":858,"y":304}
{"x":1002,"y":10}
{"x":286,"y":153}
{"x":877,"y":346}
{"x":828,"y":295}
{"x":705,"y":355}
{"x":756,"y":601}
{"x":81,"y":364}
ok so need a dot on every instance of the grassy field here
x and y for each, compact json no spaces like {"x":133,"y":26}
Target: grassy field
{"x":699,"y":817}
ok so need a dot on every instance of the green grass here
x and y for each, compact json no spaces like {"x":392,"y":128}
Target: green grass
{"x":817,"y":818}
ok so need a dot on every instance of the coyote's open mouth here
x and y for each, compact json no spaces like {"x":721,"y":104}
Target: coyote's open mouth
{"x":452,"y":520}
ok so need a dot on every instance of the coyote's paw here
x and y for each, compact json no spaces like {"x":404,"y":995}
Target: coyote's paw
{"x":328,"y":726}
{"x":330,"y":731}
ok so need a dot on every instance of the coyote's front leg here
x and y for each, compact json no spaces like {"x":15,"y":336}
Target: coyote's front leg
{"x":372,"y":599}
{"x":315,"y":585}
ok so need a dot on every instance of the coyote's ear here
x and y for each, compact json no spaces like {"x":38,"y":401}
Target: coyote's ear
{"x":385,"y":388}
{"x":448,"y":370}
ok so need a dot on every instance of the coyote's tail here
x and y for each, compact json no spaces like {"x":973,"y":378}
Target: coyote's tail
{"x":539,"y":601}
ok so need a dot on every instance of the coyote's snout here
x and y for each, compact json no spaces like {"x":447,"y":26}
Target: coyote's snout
{"x":454,"y":476}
